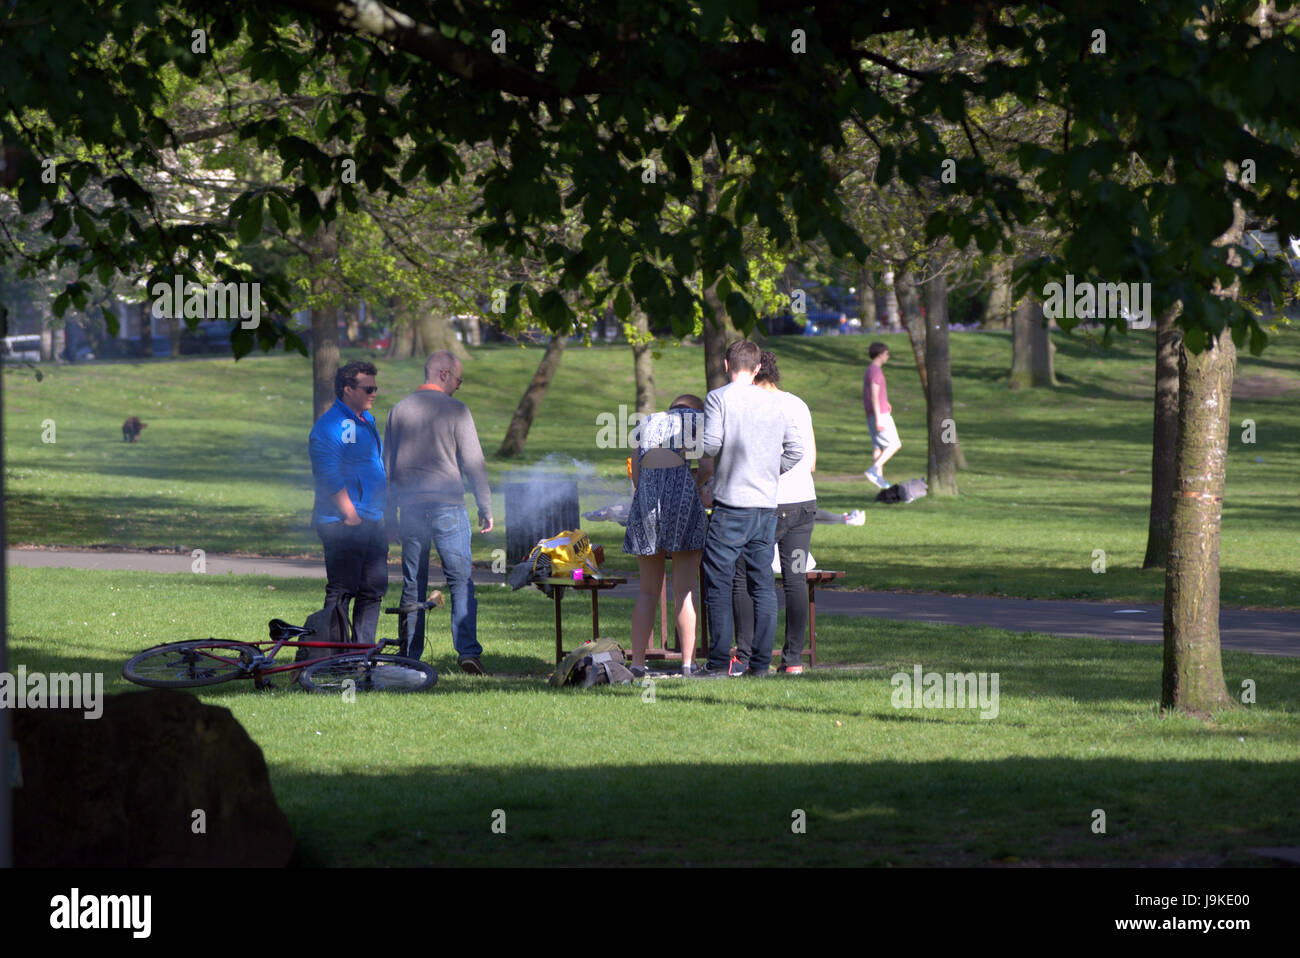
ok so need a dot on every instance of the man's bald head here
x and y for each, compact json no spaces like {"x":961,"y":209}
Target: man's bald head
{"x":443,"y":369}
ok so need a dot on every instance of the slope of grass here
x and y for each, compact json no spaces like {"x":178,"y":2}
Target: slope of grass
{"x":1055,"y":475}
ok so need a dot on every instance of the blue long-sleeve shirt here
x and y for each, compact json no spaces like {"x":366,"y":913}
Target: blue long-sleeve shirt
{"x":346,"y":453}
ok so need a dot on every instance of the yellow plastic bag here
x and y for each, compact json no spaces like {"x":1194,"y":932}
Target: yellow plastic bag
{"x":569,"y":550}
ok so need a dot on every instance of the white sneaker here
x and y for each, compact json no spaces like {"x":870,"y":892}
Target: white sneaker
{"x":875,"y":479}
{"x":855,"y":518}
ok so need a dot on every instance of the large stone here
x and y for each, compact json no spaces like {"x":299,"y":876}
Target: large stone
{"x":126,"y":789}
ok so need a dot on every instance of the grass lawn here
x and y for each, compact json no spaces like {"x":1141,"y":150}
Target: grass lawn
{"x":1054,"y":475}
{"x":605,"y":776}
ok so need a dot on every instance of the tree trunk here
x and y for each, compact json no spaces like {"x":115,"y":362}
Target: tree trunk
{"x":473,"y":331}
{"x":144,"y":316}
{"x":324,"y":357}
{"x":867,"y":295}
{"x":643,"y":363}
{"x":324,"y":321}
{"x":718,"y":334}
{"x":352,"y":321}
{"x":174,"y":332}
{"x":1042,"y":353}
{"x":1193,"y":666}
{"x":1164,"y":439}
{"x":892,"y":319}
{"x":940,"y":424}
{"x":998,"y":314}
{"x":401,"y":338}
{"x":1028,"y":315}
{"x":1193,"y":669}
{"x":909,"y":310}
{"x":522,"y":421}
{"x":435,"y":332}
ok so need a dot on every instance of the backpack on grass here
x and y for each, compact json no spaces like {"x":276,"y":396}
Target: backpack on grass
{"x":596,"y":662}
{"x":329,"y":624}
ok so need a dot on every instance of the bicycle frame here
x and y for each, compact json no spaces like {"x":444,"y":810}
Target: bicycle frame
{"x":258,"y":671}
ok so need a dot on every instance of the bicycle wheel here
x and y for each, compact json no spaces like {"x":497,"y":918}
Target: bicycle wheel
{"x":375,"y":673}
{"x":181,"y":665}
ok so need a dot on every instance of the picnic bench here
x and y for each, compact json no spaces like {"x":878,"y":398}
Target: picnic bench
{"x":814,"y":578}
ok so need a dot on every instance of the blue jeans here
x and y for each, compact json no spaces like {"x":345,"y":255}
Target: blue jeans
{"x":735,"y":534}
{"x":447,"y":528}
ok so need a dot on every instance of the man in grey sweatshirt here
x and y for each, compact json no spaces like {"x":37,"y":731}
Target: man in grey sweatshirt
{"x":746,"y":432}
{"x":429,"y":441}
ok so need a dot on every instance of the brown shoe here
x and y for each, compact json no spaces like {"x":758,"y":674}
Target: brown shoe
{"x":471,"y":665}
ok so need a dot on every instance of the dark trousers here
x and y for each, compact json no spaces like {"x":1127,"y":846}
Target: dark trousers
{"x":794,"y":527}
{"x":356,"y":571}
{"x":733,"y":534}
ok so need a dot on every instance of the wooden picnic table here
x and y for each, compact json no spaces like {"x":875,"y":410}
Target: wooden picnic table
{"x":586,"y":584}
{"x":815,"y":578}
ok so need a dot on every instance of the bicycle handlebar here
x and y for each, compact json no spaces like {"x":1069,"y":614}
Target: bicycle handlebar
{"x":435,"y":601}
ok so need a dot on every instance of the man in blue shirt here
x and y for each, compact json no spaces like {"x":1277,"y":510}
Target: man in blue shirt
{"x":351,"y":490}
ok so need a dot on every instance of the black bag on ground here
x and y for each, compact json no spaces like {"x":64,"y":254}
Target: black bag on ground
{"x":329,"y":624}
{"x":903,"y":491}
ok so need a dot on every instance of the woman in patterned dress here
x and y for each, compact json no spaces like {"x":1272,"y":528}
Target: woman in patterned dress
{"x":667,"y":519}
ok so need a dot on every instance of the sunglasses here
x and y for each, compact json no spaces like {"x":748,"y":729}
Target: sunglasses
{"x":369,"y":390}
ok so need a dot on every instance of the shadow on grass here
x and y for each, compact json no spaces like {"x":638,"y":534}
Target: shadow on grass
{"x":854,"y":813}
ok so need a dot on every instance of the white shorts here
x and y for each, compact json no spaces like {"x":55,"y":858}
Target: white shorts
{"x":884,"y":433}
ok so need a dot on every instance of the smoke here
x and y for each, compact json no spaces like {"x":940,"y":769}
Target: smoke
{"x":554,"y":479}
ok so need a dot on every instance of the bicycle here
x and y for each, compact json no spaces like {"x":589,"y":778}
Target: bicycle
{"x":202,"y":662}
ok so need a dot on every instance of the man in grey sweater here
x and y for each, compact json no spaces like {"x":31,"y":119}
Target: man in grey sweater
{"x":429,"y":441}
{"x":746,"y":432}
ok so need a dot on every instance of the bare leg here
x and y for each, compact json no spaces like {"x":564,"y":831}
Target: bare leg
{"x":686,"y":576}
{"x":882,"y":456}
{"x":647,"y":600}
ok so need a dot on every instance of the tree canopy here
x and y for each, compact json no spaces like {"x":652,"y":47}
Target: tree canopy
{"x":604,"y":109}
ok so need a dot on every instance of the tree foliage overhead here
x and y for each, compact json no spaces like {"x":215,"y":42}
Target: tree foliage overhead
{"x":576,"y":102}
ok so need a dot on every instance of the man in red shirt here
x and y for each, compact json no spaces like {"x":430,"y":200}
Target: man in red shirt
{"x":875,"y":400}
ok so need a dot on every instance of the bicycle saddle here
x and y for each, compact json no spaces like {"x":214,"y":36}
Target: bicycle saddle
{"x":280,"y":629}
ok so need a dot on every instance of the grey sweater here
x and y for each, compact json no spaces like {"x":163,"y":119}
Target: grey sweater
{"x":746,"y":431}
{"x":429,"y":440}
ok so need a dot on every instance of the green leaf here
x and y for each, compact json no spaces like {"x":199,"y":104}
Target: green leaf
{"x":622,"y":303}
{"x":279,"y":211}
{"x":78,"y":176}
{"x":60,"y":222}
{"x":86,"y":226}
{"x":250,"y":224}
{"x":618,"y":259}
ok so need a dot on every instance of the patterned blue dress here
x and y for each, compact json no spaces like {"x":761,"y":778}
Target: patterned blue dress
{"x":667,"y":515}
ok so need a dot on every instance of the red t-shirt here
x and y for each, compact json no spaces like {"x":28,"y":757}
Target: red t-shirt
{"x":875,"y":375}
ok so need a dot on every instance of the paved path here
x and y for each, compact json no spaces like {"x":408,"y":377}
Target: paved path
{"x":1270,"y":633}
